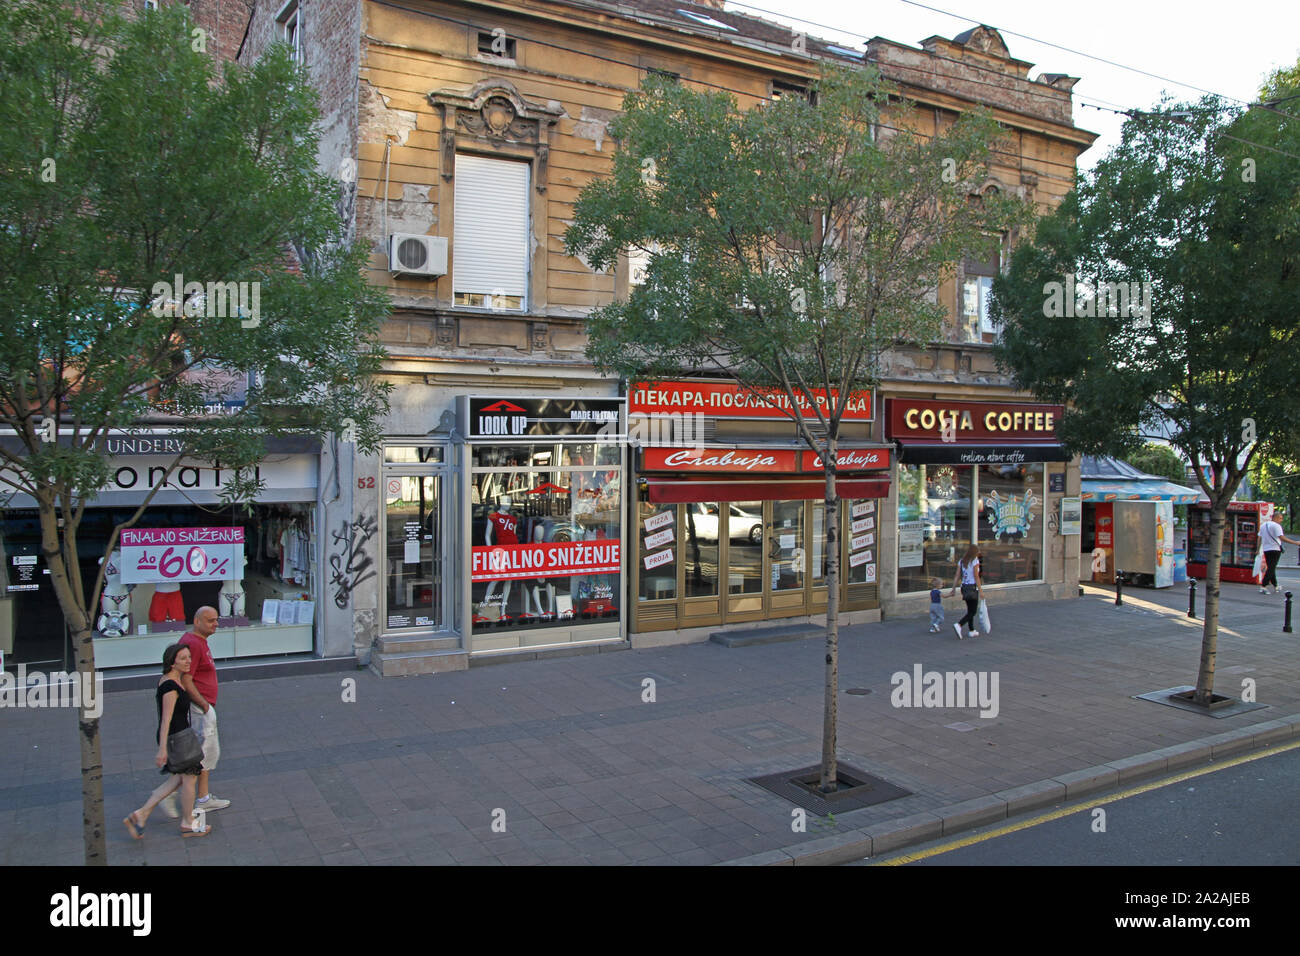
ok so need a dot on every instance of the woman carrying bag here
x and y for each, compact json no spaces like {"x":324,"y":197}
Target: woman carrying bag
{"x":972,"y":585}
{"x":180,"y":752}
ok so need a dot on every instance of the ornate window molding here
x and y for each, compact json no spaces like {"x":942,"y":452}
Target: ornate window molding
{"x":492,"y":114}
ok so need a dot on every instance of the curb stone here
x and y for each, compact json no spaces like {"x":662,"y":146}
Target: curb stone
{"x":892,"y":835}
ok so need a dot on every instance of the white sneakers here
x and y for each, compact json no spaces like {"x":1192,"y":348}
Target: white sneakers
{"x":957,"y":628}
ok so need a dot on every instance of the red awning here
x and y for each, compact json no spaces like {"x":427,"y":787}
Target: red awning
{"x":663,"y":491}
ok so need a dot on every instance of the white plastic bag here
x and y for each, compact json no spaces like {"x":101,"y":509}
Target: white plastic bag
{"x":1258,"y":572}
{"x":983,"y":615}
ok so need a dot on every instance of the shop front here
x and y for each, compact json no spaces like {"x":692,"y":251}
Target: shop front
{"x":732,"y":531}
{"x":543,"y":522}
{"x":257,"y":564}
{"x":985,"y":473}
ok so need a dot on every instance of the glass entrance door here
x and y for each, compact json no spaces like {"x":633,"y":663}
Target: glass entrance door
{"x":414,"y":593}
{"x":747,"y":560}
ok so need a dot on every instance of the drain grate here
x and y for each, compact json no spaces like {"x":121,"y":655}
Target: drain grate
{"x":858,"y":691}
{"x":857,"y":789}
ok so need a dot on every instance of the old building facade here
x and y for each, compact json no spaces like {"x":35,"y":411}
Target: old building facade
{"x":506,"y":513}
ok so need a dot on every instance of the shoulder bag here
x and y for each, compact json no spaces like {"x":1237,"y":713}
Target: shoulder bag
{"x":184,"y":750}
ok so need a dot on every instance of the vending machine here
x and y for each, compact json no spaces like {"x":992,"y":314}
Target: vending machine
{"x":1240,"y":539}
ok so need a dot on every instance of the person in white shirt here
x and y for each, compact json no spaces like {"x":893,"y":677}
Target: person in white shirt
{"x":1271,"y":537}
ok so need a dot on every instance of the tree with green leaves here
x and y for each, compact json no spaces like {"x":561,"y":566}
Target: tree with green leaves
{"x":149,"y":208}
{"x":1193,"y":218}
{"x":1160,"y":460}
{"x":789,"y":245}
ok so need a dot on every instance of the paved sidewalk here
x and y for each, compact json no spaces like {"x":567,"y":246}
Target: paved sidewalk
{"x":585,"y":772}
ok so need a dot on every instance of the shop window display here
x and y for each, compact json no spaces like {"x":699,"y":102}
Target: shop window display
{"x":1010,"y":524}
{"x":545,"y":535}
{"x":934,"y":522}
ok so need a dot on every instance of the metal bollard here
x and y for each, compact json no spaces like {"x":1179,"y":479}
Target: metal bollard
{"x":1119,"y":587}
{"x":1191,"y":597}
{"x":1286,"y":620}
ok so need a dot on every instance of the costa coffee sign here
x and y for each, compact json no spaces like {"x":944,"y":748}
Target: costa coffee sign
{"x":970,"y":422}
{"x":762,"y":461}
{"x":729,"y":400}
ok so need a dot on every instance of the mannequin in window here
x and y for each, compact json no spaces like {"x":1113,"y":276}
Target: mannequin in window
{"x":502,"y":529}
{"x":232,"y":595}
{"x":533,"y":596}
{"x":115,"y":620}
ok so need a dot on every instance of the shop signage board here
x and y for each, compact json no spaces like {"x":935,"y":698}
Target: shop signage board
{"x":730,"y":400}
{"x":518,"y":562}
{"x":759,"y":460}
{"x":972,"y":422}
{"x":159,"y":555}
{"x":494,"y":417}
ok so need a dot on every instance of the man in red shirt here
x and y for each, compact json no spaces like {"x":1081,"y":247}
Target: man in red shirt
{"x":201,"y":685}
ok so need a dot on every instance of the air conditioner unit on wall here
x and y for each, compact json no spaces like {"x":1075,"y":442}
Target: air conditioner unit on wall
{"x":417,"y":255}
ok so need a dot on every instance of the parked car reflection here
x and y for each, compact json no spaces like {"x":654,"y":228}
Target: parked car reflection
{"x":742,"y":526}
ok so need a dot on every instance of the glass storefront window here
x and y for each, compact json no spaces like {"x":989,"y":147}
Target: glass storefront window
{"x":789,"y":562}
{"x":545,"y":535}
{"x":934,"y":523}
{"x":860,"y":530}
{"x":700,"y":547}
{"x":412,"y":455}
{"x":1011,"y":522}
{"x":659,"y":548}
{"x":745,"y":535}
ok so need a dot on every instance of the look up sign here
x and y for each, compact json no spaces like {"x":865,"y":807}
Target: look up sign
{"x":496,"y":417}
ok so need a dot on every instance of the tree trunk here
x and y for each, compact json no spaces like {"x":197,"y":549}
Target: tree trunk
{"x":831,"y":526}
{"x":92,"y":763}
{"x":78,"y":618}
{"x":1210,"y":634}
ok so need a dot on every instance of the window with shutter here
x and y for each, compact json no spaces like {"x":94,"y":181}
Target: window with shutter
{"x":490,"y":246}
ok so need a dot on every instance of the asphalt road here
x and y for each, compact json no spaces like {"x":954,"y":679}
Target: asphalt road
{"x":1236,"y":812}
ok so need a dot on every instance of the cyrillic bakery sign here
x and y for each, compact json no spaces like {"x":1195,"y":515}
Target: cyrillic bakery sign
{"x":729,"y":400}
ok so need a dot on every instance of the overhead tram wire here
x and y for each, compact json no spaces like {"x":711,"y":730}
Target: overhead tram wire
{"x":1146,"y":114}
{"x":1268,"y":106}
{"x":726,"y":89}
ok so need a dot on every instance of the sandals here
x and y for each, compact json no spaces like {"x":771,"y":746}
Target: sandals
{"x":187,"y":832}
{"x":135,"y":829}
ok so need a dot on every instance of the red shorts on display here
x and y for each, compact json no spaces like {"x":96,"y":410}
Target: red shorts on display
{"x":167,"y":606}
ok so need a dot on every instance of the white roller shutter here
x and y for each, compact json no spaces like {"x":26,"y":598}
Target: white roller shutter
{"x":490,"y":247}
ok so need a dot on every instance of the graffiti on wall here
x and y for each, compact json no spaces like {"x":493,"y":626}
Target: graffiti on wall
{"x":350,"y":562}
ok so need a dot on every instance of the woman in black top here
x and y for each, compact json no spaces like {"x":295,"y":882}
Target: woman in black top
{"x":173,"y":717}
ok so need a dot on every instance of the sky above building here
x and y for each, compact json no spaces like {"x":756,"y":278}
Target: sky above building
{"x":1183,"y":47}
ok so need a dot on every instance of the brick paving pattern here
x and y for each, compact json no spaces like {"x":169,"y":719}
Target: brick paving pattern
{"x":416,"y":769}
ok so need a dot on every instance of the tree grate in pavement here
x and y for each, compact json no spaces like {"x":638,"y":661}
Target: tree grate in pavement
{"x":1167,"y":698}
{"x":800,"y":788}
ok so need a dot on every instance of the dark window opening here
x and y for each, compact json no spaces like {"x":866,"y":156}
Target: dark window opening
{"x":496,"y":44}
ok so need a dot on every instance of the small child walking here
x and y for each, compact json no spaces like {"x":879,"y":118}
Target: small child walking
{"x":936,"y":605}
